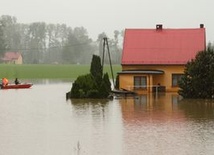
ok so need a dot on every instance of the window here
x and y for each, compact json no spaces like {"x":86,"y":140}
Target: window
{"x":140,"y":82}
{"x":175,"y":79}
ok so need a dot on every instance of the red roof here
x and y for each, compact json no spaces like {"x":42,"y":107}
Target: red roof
{"x":8,"y":56}
{"x":162,"y":46}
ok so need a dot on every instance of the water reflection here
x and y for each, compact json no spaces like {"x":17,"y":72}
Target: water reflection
{"x":98,"y":126}
{"x":41,"y":121}
{"x":167,"y":105}
{"x":198,"y":109}
{"x":94,"y":108}
{"x":160,"y":124}
{"x":47,"y":81}
{"x":151,"y":107}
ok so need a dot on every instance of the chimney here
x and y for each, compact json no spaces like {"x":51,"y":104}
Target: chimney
{"x":159,"y":27}
{"x":201,"y":25}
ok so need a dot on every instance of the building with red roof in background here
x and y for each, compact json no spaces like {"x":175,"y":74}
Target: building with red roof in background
{"x":12,"y":58}
{"x":155,"y":58}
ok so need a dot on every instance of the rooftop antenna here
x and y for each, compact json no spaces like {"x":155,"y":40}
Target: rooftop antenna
{"x":105,"y":44}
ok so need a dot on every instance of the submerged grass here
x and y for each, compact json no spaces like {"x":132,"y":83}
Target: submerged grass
{"x":12,"y":71}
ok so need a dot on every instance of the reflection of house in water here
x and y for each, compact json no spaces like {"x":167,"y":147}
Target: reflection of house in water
{"x":165,"y":106}
{"x":157,"y":57}
{"x":162,"y":106}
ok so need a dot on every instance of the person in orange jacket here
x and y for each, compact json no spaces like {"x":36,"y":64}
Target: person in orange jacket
{"x":4,"y":82}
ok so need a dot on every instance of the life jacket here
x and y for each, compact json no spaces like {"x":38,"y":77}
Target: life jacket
{"x":4,"y":81}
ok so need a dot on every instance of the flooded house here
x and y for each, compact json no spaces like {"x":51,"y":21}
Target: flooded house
{"x":154,"y":59}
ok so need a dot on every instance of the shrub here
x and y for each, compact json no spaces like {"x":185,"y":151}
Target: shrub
{"x":93,"y":85}
{"x":198,"y":79}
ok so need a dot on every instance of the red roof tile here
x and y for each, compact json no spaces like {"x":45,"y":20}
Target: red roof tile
{"x":162,"y":46}
{"x":11,"y":56}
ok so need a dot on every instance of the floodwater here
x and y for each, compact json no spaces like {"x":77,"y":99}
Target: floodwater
{"x":40,"y":121}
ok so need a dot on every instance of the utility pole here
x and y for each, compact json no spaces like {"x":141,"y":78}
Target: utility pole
{"x":105,"y":44}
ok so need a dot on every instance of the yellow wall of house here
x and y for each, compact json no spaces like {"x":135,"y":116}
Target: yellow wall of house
{"x":126,"y":81}
{"x":15,"y":61}
{"x":19,"y":60}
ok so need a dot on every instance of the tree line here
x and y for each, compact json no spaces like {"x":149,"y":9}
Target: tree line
{"x":42,"y":43}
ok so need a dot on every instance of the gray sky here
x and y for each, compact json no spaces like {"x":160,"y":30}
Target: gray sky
{"x":99,"y":16}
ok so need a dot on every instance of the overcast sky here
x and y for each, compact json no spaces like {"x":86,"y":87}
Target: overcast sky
{"x":99,"y":16}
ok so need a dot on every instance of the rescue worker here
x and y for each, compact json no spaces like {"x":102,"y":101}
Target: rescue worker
{"x":4,"y":82}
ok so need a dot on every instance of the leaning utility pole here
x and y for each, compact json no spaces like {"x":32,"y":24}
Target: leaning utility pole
{"x":105,"y":44}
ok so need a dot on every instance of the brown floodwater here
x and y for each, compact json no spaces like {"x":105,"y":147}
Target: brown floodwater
{"x":40,"y":121}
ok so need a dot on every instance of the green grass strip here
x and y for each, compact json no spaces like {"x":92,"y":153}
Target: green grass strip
{"x":12,"y":71}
